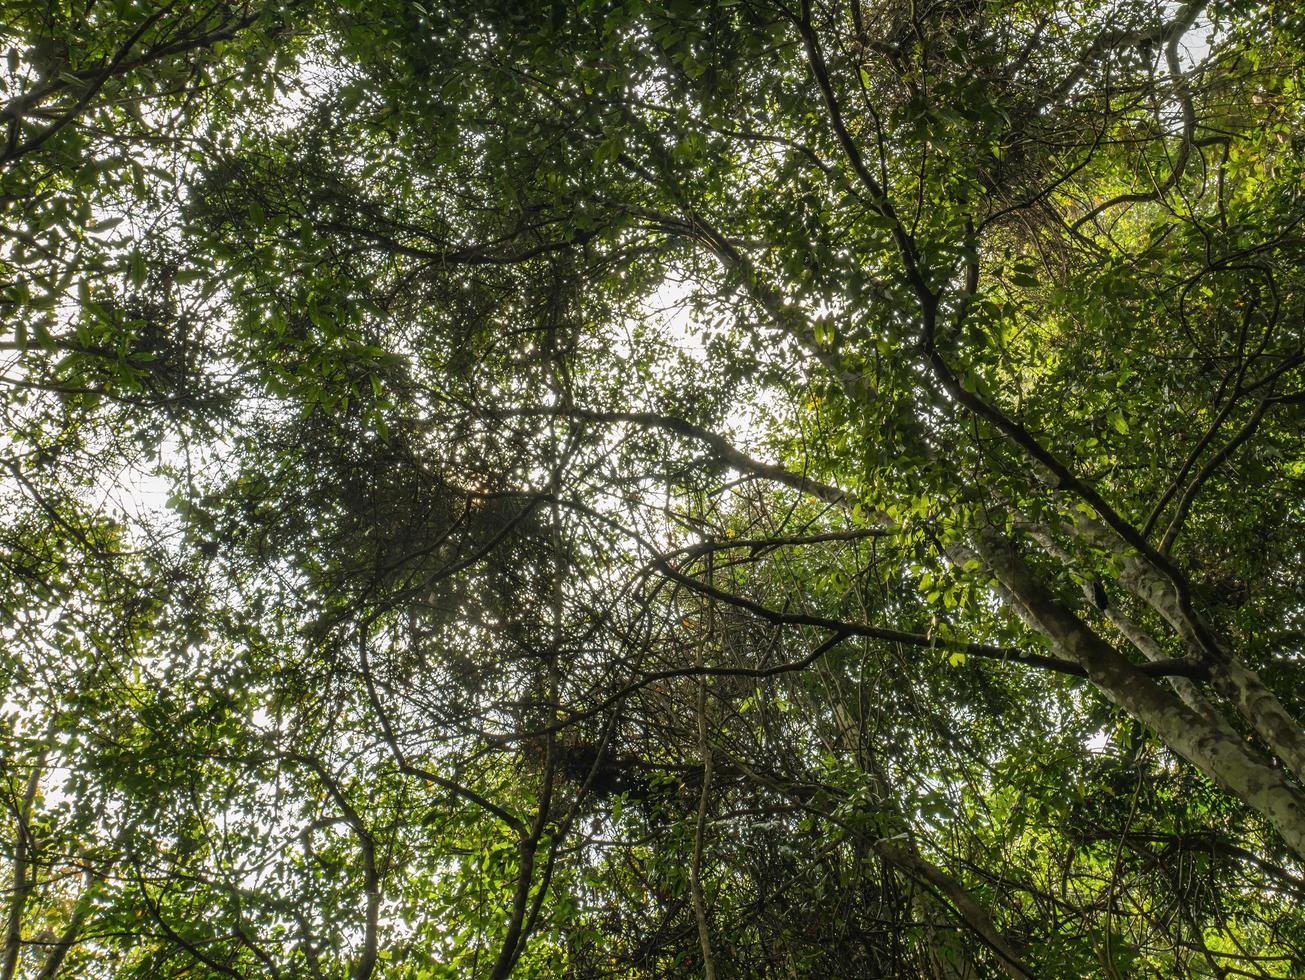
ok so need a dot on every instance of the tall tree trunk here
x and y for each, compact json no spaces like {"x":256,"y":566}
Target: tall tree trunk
{"x":1210,"y":745}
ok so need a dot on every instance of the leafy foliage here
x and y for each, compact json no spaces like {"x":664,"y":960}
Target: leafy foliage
{"x":630,"y":488}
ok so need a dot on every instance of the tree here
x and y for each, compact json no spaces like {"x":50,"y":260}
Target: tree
{"x":655,"y":489}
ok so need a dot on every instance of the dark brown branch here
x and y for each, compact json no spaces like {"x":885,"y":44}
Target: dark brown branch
{"x":878,"y":193}
{"x":724,"y":450}
{"x":400,"y":758}
{"x":1207,"y":471}
{"x":1176,"y":668}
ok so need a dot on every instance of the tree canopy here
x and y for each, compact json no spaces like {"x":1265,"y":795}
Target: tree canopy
{"x":643,"y":488}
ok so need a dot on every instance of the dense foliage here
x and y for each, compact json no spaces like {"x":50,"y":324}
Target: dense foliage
{"x":649,"y":488}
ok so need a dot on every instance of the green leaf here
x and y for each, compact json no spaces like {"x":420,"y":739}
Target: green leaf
{"x":137,"y":268}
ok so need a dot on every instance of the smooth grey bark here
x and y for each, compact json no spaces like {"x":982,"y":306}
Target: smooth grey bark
{"x":1139,"y":638}
{"x":1280,"y":731}
{"x":1211,"y":745}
